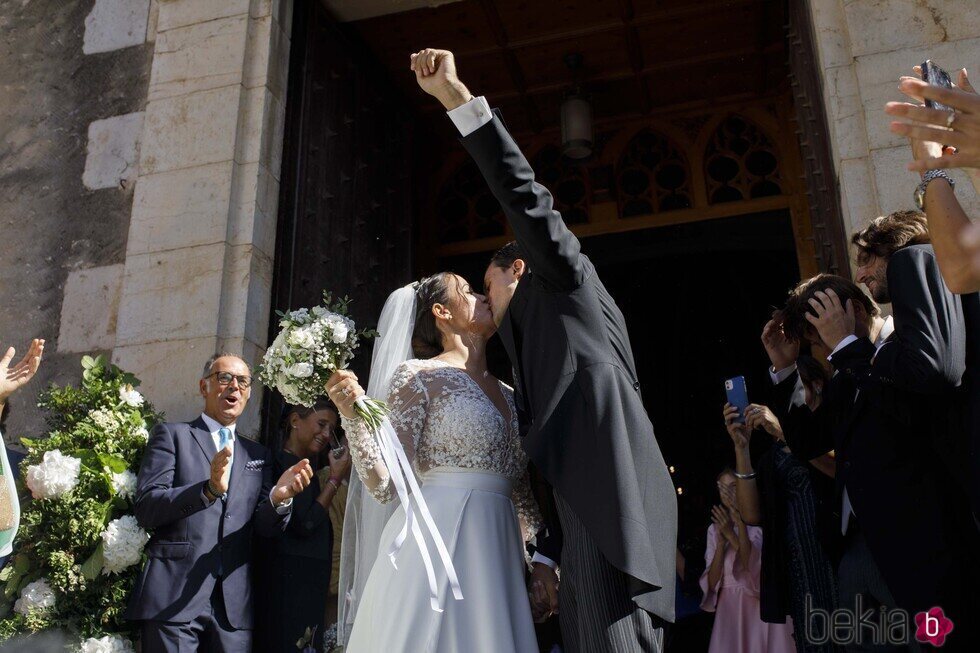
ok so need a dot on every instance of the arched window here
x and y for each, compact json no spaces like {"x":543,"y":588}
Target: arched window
{"x":653,"y":176}
{"x":740,"y":163}
{"x":568,"y":182}
{"x":467,"y":209}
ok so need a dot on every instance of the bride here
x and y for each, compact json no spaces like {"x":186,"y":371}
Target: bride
{"x":458,"y":427}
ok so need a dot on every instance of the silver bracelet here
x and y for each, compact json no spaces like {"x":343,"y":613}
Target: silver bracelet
{"x":746,"y":477}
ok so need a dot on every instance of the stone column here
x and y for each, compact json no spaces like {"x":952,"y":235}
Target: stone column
{"x":198,"y":270}
{"x":864,"y":46}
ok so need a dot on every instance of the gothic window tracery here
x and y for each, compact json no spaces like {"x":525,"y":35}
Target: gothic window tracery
{"x":740,"y":163}
{"x":653,"y":176}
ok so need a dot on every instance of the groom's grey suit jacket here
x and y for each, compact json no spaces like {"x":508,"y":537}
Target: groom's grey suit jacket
{"x":193,"y":543}
{"x":582,"y":418}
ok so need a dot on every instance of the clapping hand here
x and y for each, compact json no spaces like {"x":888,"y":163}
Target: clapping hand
{"x":723,"y":525}
{"x":293,"y":481}
{"x":833,"y":321}
{"x":13,"y":378}
{"x":220,"y":471}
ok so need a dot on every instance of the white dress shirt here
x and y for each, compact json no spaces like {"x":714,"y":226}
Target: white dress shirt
{"x":215,"y":428}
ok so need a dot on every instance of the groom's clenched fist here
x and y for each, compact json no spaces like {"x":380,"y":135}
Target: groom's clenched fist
{"x":435,"y":72}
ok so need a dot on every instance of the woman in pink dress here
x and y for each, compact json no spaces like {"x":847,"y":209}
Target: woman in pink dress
{"x":730,"y":582}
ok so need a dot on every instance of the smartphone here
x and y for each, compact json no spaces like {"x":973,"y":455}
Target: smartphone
{"x":935,"y":76}
{"x":738,"y":396}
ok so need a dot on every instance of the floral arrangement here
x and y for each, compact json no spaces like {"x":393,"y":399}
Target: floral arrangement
{"x":79,"y":548}
{"x":312,"y":344}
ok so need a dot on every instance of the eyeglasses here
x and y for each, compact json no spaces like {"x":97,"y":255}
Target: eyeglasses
{"x":225,"y":378}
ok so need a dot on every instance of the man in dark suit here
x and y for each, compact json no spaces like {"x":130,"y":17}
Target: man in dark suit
{"x":201,"y":489}
{"x":900,"y":469}
{"x":582,"y":418}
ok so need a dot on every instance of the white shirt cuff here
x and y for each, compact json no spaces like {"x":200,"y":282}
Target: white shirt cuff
{"x":537,"y":557}
{"x":284,"y":507}
{"x":781,"y":375}
{"x":843,"y":343}
{"x":471,"y":116}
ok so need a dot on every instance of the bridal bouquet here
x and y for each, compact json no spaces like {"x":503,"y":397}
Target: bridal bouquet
{"x":314,"y":343}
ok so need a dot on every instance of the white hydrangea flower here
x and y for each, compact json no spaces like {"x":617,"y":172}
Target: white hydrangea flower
{"x":142,"y":433}
{"x":124,"y":483}
{"x":35,"y":596}
{"x":107,"y":644}
{"x":54,"y":475}
{"x":130,"y":396}
{"x":122,"y":544}
{"x":106,"y":420}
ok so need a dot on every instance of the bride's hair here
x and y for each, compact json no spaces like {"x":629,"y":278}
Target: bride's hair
{"x":426,"y":337}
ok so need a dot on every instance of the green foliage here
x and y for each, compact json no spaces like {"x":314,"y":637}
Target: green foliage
{"x":60,"y":538}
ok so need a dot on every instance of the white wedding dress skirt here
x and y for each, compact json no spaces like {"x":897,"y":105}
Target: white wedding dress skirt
{"x":476,"y":517}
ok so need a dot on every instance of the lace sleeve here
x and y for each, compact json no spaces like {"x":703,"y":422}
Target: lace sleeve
{"x":408,"y":404}
{"x":527,"y":509}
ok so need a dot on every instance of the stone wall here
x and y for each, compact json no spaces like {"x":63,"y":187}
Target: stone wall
{"x":72,"y":90}
{"x":141,"y":159}
{"x":864,"y":47}
{"x":197,"y":276}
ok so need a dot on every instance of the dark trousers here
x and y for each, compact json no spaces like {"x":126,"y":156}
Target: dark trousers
{"x":858,"y":575}
{"x":210,"y":633}
{"x":595,"y":610}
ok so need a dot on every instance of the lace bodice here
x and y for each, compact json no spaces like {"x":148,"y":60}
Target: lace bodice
{"x":445,"y":419}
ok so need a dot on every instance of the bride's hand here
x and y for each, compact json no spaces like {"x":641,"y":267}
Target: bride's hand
{"x":344,"y":390}
{"x":543,"y":592}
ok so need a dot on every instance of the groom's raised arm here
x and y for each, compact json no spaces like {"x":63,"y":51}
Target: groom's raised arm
{"x":553,"y":252}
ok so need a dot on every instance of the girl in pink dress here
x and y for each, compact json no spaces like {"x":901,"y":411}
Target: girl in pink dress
{"x":730,"y":582}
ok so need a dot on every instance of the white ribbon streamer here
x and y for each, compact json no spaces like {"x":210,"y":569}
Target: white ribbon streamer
{"x":400,"y":470}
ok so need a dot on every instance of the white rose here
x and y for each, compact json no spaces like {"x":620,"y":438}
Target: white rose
{"x":301,"y":338}
{"x":54,"y":475}
{"x":124,"y":483}
{"x":35,"y":596}
{"x":300,"y":370}
{"x":107,"y":644}
{"x":122,"y":544}
{"x":130,"y":396}
{"x":319,"y":311}
{"x":340,"y":333}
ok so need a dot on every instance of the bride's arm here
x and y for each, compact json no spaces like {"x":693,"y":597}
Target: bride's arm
{"x":527,"y":509}
{"x":408,"y":404}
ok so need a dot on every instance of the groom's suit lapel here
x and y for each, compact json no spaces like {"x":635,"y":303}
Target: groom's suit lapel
{"x":511,"y":332}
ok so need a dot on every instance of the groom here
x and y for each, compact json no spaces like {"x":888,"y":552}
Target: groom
{"x":582,"y":418}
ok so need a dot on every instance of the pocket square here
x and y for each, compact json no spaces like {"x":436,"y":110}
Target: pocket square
{"x":254,"y":465}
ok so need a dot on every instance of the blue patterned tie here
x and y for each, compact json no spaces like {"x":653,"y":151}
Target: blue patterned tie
{"x":224,"y":437}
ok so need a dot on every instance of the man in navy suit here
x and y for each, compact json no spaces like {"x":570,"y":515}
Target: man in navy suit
{"x":201,"y":490}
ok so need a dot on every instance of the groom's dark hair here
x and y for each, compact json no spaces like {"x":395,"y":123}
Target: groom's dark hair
{"x":506,"y":255}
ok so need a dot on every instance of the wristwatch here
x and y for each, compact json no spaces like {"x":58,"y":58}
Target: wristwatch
{"x":920,"y":190}
{"x":209,"y":491}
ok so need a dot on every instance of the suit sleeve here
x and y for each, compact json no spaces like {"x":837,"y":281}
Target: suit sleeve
{"x":927,"y":352}
{"x":553,"y":252}
{"x":269,"y":522}
{"x":158,"y":502}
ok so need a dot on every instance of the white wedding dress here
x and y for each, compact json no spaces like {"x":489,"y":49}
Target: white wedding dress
{"x":472,"y":471}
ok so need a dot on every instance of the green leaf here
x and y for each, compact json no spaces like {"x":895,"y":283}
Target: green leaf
{"x":22,"y":564}
{"x":88,"y":362}
{"x":28,"y":443}
{"x":114,"y":463}
{"x":92,"y":567}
